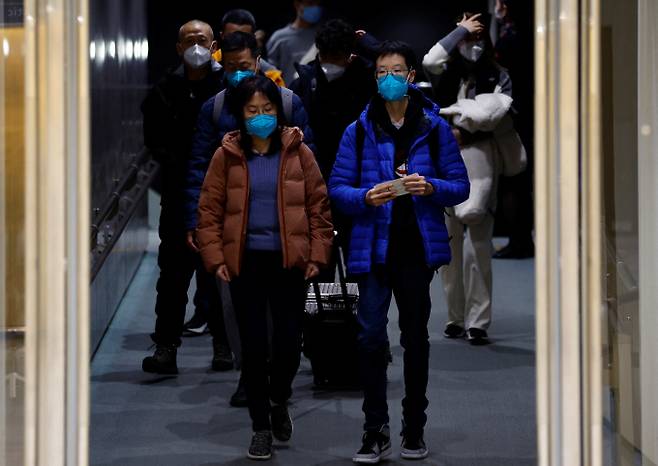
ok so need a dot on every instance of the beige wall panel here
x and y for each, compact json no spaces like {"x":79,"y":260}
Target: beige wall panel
{"x":14,"y":103}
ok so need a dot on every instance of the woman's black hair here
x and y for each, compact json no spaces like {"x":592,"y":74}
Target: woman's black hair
{"x":242,"y":94}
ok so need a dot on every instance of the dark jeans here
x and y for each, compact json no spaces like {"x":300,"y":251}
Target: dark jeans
{"x":177,"y":266}
{"x":409,"y":281}
{"x":263,"y":281}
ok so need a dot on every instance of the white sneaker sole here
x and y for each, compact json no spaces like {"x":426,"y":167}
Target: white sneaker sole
{"x":259,"y":458}
{"x":413,"y":455}
{"x":377,"y":459}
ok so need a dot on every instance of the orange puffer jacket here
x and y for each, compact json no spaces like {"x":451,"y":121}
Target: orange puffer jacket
{"x":304,"y":214}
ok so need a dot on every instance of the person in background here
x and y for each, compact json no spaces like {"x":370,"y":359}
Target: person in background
{"x":462,"y":66}
{"x":288,"y":45}
{"x":514,"y":50}
{"x":265,"y":241}
{"x":335,"y":88}
{"x":237,"y":20}
{"x":170,"y":113}
{"x":240,"y":60}
{"x":397,"y":241}
{"x":243,"y":21}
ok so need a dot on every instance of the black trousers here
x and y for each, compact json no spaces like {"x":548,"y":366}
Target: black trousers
{"x":263,"y":281}
{"x":177,"y":266}
{"x":409,"y":281}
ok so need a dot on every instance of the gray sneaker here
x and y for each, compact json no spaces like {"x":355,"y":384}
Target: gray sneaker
{"x":376,"y":445}
{"x":261,"y":446}
{"x":413,"y":448}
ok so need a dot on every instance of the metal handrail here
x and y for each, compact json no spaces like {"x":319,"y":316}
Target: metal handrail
{"x":111,"y":220}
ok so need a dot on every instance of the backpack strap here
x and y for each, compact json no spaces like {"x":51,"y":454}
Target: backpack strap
{"x":286,"y":97}
{"x":360,"y":141}
{"x":433,"y":144}
{"x":218,"y":106}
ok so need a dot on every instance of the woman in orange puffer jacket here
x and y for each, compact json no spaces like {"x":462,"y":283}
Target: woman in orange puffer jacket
{"x":265,"y":227}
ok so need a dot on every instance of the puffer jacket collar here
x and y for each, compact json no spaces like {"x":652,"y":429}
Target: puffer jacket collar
{"x":429,"y":121}
{"x":291,"y":138}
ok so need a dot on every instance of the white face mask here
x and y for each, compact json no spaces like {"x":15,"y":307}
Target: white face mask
{"x":332,"y":72}
{"x":196,"y":56}
{"x":471,"y":51}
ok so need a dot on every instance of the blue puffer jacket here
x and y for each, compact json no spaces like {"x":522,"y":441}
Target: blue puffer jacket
{"x":349,"y":184}
{"x":207,"y":138}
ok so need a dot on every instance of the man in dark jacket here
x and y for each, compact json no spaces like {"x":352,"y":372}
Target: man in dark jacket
{"x":335,"y":88}
{"x":170,"y":113}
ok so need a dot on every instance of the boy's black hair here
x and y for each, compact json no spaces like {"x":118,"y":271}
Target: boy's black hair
{"x":242,"y":94}
{"x":394,"y":47}
{"x":239,"y":40}
{"x":335,"y":38}
{"x":240,"y":17}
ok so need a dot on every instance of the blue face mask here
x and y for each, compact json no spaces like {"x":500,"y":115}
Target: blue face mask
{"x":392,"y":87}
{"x":261,"y":125}
{"x":312,"y":14}
{"x":235,"y":77}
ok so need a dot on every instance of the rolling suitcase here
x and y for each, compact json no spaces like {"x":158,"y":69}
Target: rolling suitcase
{"x":330,"y":331}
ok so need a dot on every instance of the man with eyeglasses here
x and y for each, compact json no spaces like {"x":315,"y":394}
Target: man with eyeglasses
{"x":397,"y":167}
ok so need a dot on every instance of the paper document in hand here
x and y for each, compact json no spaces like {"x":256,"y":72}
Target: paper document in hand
{"x":397,"y":186}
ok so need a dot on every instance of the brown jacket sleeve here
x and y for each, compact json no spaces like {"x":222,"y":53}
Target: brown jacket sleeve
{"x":212,"y":205}
{"x":317,"y":208}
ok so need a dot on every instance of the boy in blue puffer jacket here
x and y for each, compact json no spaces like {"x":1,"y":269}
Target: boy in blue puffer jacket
{"x":399,"y":146}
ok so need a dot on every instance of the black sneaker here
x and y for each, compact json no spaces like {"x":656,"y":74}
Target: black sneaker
{"x":222,"y":359}
{"x":281,"y":423}
{"x":376,"y":445}
{"x":453,"y":331}
{"x":413,"y":447}
{"x":261,"y":446}
{"x":477,"y":337}
{"x":163,"y":361}
{"x":196,"y":326}
{"x":239,"y":398}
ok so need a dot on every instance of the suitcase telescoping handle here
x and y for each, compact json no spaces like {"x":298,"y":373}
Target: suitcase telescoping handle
{"x":341,"y":279}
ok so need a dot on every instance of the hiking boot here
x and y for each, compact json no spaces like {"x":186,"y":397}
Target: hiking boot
{"x":376,"y":444}
{"x":196,"y":326}
{"x":261,"y":446}
{"x":281,"y":423}
{"x":222,"y":359}
{"x":239,"y":398}
{"x":163,"y":361}
{"x":413,"y":447}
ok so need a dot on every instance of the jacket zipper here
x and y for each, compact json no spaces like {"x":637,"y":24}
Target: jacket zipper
{"x":243,"y":237}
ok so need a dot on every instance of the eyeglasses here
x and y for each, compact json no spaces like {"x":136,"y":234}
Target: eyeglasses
{"x":382,"y":72}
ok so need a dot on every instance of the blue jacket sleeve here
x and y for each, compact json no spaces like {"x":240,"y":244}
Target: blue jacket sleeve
{"x":452,"y":187}
{"x":344,"y":190}
{"x":300,"y":119}
{"x":204,"y":143}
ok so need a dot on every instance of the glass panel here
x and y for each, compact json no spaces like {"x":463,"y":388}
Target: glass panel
{"x":629,"y":153}
{"x":12,"y":249}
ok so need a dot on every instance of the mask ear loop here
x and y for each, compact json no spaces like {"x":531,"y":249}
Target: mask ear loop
{"x":257,"y":64}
